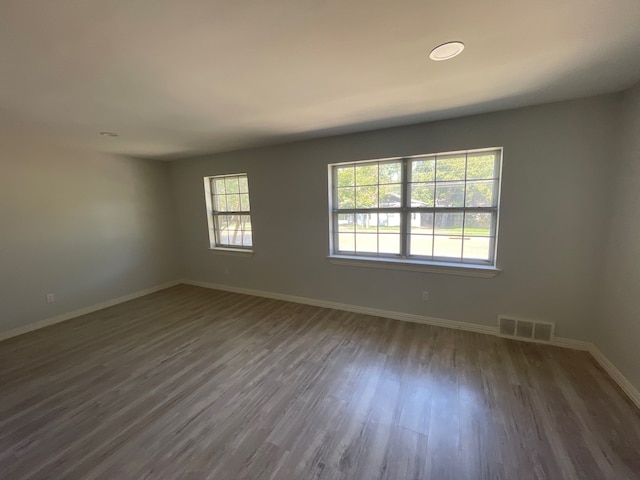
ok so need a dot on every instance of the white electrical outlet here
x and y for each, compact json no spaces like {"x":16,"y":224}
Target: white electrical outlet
{"x":226,"y":270}
{"x":425,"y":296}
{"x":51,"y":298}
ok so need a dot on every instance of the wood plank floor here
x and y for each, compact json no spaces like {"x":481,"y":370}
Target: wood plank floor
{"x":194,"y":383}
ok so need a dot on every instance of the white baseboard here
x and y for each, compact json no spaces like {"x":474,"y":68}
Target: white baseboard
{"x":571,"y":343}
{"x":582,"y":345}
{"x":602,"y":360}
{"x":406,"y":317}
{"x":83,"y":311}
{"x":617,"y":376}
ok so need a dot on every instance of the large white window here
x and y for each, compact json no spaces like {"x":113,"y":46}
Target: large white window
{"x":229,"y":212}
{"x":428,"y":208}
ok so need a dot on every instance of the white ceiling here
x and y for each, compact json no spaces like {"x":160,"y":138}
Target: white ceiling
{"x":183,"y":77}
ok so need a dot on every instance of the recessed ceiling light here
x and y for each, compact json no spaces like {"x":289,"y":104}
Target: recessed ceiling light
{"x":108,"y":134}
{"x":446,"y":51}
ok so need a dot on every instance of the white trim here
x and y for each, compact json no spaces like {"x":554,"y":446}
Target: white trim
{"x":626,"y":386}
{"x":404,"y":260}
{"x":417,"y":155}
{"x":83,"y":311}
{"x":405,"y":317}
{"x":561,"y":342}
{"x":581,"y":345}
{"x":632,"y":392}
{"x":232,"y":251}
{"x":556,"y":342}
{"x":466,"y":270}
{"x":211,"y":213}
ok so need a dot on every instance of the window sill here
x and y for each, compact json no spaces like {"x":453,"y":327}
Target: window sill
{"x":231,"y":251}
{"x":466,"y":270}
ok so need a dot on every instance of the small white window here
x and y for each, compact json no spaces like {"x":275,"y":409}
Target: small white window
{"x":439,"y":208}
{"x":229,"y":211}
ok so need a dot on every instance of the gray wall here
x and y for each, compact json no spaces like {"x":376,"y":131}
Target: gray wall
{"x":85,"y":226}
{"x":619,"y":327}
{"x":91,"y":227}
{"x":551,"y":238}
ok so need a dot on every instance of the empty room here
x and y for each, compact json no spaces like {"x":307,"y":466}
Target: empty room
{"x":279,"y":240}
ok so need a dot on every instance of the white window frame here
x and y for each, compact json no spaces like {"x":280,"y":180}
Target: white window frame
{"x":404,"y":260}
{"x":213,"y":215}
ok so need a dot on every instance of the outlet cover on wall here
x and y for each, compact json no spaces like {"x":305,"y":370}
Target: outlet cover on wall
{"x":51,"y":298}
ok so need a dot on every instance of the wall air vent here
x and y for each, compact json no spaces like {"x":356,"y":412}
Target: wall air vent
{"x":521,"y":329}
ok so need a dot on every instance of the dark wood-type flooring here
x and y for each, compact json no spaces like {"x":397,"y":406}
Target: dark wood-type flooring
{"x":195,"y":383}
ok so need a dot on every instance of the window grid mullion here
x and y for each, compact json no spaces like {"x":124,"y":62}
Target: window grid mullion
{"x":406,"y":209}
{"x":235,"y":212}
{"x":494,"y":235}
{"x":464,"y":204}
{"x":433,"y":216}
{"x":216,"y":229}
{"x":404,"y":220}
{"x":335,"y":216}
{"x":377,"y":214}
{"x":218,"y":215}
